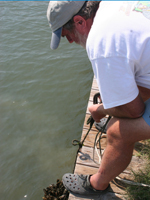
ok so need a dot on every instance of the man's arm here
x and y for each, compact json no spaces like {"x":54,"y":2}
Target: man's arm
{"x":134,"y":109}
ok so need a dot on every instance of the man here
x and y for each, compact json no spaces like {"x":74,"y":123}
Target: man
{"x":116,"y":36}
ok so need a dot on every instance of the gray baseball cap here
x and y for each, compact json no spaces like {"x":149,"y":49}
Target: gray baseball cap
{"x":58,"y":14}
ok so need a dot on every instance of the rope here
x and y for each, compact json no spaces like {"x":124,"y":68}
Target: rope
{"x":98,"y":140}
{"x":77,"y":142}
{"x":132,"y":182}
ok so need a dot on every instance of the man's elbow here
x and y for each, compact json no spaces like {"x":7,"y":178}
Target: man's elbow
{"x":136,"y":108}
{"x":137,"y":113}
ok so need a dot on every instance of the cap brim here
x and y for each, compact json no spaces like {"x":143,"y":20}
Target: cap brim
{"x":55,"y":40}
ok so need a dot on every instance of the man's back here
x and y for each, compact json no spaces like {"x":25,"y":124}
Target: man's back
{"x":118,"y":46}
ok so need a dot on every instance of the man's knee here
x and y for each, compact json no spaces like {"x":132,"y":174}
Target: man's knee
{"x":112,"y":130}
{"x":116,"y":132}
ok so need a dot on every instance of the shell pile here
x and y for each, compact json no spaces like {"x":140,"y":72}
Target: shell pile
{"x":56,"y":192}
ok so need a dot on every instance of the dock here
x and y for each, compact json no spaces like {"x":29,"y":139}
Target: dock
{"x":84,"y":163}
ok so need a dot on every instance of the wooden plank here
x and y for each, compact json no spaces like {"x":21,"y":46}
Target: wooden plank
{"x":94,"y":84}
{"x":107,"y":196}
{"x":85,"y":157}
{"x":89,"y":141}
{"x":89,"y":104}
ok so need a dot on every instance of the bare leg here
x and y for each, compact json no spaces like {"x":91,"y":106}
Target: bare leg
{"x":121,"y":136}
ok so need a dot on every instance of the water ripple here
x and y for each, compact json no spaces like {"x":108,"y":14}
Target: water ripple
{"x":43,"y":100}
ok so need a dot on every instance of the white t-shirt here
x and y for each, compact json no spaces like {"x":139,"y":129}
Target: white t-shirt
{"x":118,"y":46}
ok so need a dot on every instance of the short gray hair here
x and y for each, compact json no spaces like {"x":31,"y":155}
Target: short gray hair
{"x":87,"y":11}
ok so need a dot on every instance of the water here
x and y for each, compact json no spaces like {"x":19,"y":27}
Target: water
{"x":43,"y":98}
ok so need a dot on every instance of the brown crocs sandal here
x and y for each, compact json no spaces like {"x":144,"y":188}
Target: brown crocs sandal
{"x":80,"y":184}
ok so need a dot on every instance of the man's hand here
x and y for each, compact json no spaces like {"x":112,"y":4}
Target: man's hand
{"x":97,"y":111}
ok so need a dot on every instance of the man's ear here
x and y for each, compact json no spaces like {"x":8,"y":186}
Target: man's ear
{"x":80,"y":22}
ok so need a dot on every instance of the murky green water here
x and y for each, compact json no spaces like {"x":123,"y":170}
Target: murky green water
{"x":43,"y":98}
